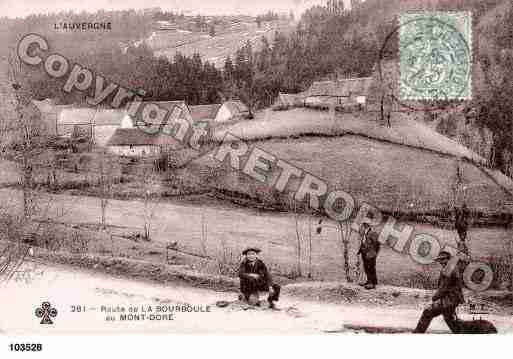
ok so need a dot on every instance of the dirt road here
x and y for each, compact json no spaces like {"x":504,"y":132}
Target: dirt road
{"x":64,"y":288}
{"x":228,"y":230}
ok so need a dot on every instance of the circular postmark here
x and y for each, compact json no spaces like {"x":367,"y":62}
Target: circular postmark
{"x":434,"y":62}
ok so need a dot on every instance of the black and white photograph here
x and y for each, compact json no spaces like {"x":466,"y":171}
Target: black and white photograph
{"x":263,"y":168}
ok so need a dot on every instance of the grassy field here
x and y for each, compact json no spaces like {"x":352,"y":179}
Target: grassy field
{"x":221,"y":232}
{"x":407,"y":167}
{"x":404,"y":129}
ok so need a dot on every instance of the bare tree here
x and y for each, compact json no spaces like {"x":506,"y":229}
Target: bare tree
{"x":23,"y":140}
{"x":344,"y":230}
{"x":149,"y":182}
{"x":23,"y":135}
{"x":105,"y":183}
{"x":345,"y":235}
{"x":203,"y":232}
{"x":309,"y":247}
{"x":298,"y":271}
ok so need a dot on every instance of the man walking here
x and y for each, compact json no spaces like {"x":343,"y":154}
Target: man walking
{"x":369,"y":250}
{"x":446,"y":299}
{"x":254,"y":278}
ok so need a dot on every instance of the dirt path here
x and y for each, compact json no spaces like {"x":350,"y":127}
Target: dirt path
{"x":64,"y":288}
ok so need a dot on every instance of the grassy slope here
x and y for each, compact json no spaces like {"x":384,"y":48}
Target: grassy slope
{"x":214,"y":49}
{"x":406,"y":167}
{"x":298,"y":121}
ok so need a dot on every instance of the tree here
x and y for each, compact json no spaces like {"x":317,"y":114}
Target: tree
{"x":22,"y":132}
{"x":345,"y":231}
{"x":24,"y":140}
{"x":149,"y":181}
{"x":106,"y":177}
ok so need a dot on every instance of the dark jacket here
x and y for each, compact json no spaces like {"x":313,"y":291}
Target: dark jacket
{"x":450,"y":288}
{"x":461,"y":217}
{"x":264,"y":280}
{"x":370,"y":245}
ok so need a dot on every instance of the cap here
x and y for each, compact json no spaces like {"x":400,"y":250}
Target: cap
{"x":443,"y":255}
{"x":256,"y":250}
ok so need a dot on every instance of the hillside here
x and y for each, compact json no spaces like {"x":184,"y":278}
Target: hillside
{"x":407,"y":168}
{"x":214,"y":49}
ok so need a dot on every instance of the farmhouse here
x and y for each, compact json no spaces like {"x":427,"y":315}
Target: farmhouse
{"x":175,"y":110}
{"x":95,"y":123}
{"x":134,"y":142}
{"x":50,"y":113}
{"x":286,"y":101}
{"x":163,"y":25}
{"x":341,"y":94}
{"x":232,"y":110}
{"x":207,"y":113}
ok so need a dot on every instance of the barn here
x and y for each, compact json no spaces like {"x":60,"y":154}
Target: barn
{"x":349,"y":93}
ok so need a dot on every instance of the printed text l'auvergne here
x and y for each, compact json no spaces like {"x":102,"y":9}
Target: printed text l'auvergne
{"x":82,"y":26}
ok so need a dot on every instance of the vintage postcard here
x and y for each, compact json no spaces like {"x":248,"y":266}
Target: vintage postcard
{"x":276,"y":167}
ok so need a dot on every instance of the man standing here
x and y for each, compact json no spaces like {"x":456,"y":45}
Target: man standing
{"x":255,"y":277}
{"x":446,"y":299}
{"x":369,"y":250}
{"x":461,"y":223}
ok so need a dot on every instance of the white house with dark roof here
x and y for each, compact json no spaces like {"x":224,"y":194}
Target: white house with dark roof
{"x":97,"y":123}
{"x":232,"y":110}
{"x":134,"y":142}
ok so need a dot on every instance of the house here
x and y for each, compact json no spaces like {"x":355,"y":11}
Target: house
{"x":207,"y":113}
{"x":232,"y":110}
{"x":99,"y":124}
{"x":175,"y":110}
{"x":340,"y":94}
{"x":106,"y":122}
{"x":134,"y":142}
{"x":163,"y":25}
{"x":286,"y":101}
{"x":386,"y":89}
{"x":96,"y":123}
{"x":50,"y":114}
{"x":75,"y":121}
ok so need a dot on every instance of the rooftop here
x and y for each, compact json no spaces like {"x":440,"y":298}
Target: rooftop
{"x":341,"y":88}
{"x":204,"y":112}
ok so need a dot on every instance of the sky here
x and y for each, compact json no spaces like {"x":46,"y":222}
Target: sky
{"x":21,"y":8}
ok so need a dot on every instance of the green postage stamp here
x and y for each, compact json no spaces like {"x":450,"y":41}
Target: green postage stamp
{"x":435,"y":56}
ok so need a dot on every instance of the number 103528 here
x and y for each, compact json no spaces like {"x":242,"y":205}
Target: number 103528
{"x":26,"y":347}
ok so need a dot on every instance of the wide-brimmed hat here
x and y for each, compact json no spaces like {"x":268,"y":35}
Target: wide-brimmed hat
{"x":443,"y":255}
{"x":254,"y":249}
